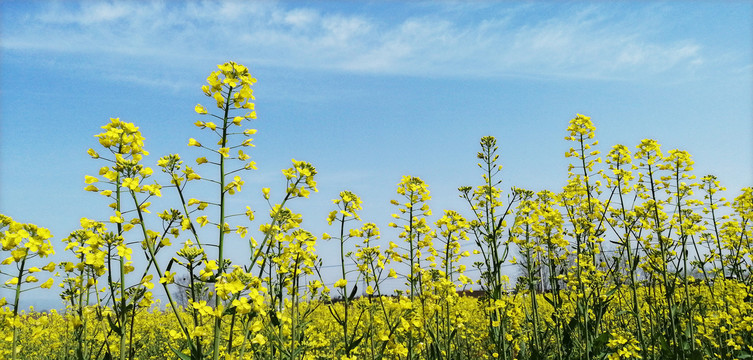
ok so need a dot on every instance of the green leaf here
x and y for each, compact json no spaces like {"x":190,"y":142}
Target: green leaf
{"x":114,"y":326}
{"x":180,"y":355}
{"x":600,"y":343}
{"x":550,"y":301}
{"x":611,"y":292}
{"x":354,"y":344}
{"x":623,"y":312}
{"x":335,"y":315}
{"x":273,"y":317}
{"x":170,"y":264}
{"x":229,"y":310}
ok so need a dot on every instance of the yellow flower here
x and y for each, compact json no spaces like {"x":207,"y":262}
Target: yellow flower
{"x":242,"y":306}
{"x":154,"y":189}
{"x":341,"y":283}
{"x":47,"y":284}
{"x":193,"y":142}
{"x":259,"y":339}
{"x":49,"y":267}
{"x":220,"y":100}
{"x":169,"y":278}
{"x":200,"y":109}
{"x":146,"y":281}
{"x":146,"y":172}
{"x":131,"y":183}
{"x":185,"y":223}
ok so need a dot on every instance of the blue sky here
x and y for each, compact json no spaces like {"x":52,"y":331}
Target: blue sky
{"x":369,"y":92}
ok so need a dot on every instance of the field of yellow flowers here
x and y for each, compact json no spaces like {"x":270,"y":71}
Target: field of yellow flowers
{"x":636,"y":258}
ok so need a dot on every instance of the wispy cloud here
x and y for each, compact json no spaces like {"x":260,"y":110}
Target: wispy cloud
{"x":444,"y":40}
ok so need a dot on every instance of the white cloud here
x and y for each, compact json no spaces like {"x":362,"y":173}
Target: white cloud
{"x":93,"y":13}
{"x":584,"y":43}
{"x":300,"y":18}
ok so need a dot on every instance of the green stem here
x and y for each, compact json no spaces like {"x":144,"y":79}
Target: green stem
{"x":531,"y":263}
{"x":669,"y":295}
{"x":344,"y":291}
{"x":185,"y":211}
{"x":221,"y":224}
{"x":554,"y":287}
{"x":150,"y":248}
{"x":586,"y":332}
{"x":412,"y":276}
{"x":690,"y":326}
{"x":14,"y":353}
{"x":121,"y":313}
{"x":632,"y":265}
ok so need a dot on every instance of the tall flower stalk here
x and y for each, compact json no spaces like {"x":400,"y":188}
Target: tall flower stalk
{"x":349,"y":204}
{"x":417,"y":234}
{"x":586,"y":214}
{"x":488,"y":226}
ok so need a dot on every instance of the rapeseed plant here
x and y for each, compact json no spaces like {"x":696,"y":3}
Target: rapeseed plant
{"x":24,"y":242}
{"x":626,"y":262}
